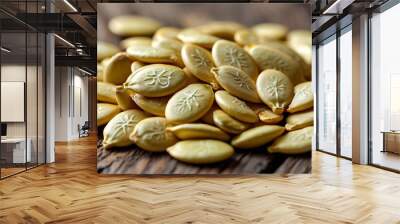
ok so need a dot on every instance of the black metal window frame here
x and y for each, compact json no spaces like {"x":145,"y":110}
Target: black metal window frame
{"x":43,"y":55}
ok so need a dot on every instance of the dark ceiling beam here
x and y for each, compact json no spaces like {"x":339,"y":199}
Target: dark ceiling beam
{"x":77,"y":61}
{"x":84,"y":24}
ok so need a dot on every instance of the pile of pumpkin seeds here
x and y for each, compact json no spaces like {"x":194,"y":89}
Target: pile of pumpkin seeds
{"x":200,"y":93}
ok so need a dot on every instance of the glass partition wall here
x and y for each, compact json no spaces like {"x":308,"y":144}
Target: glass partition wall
{"x":334,"y":94}
{"x":22,"y":77}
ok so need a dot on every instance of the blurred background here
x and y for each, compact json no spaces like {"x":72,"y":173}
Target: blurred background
{"x":294,"y":16}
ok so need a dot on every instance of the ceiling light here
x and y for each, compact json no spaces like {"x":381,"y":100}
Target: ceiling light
{"x":84,"y":71}
{"x":70,"y":5}
{"x":5,"y":49}
{"x":338,"y":6}
{"x":64,"y":40}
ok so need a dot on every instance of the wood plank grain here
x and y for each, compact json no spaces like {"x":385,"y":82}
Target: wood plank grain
{"x":133,"y":160}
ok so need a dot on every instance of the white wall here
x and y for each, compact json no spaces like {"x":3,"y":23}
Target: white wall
{"x":70,"y":83}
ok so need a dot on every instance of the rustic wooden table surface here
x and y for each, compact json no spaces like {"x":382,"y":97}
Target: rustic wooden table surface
{"x":133,"y":160}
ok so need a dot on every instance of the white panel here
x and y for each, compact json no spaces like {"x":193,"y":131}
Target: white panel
{"x":12,"y":101}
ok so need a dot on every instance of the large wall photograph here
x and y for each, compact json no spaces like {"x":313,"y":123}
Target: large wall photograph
{"x":199,"y":88}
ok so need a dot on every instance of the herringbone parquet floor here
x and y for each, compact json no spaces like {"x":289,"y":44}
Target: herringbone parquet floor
{"x":70,"y":191}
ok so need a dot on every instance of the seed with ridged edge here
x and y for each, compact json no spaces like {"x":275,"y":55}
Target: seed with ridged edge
{"x":299,"y":120}
{"x":227,"y":123}
{"x":235,"y":107}
{"x":293,"y":142}
{"x":202,"y":151}
{"x":124,"y":99}
{"x":269,"y":58}
{"x":106,"y":92}
{"x":195,"y":37}
{"x":258,"y":136}
{"x":303,"y":98}
{"x":156,"y":80}
{"x":105,"y":50}
{"x":199,"y":62}
{"x":152,"y":105}
{"x":270,"y":31}
{"x":275,"y":89}
{"x":189,"y":104}
{"x":229,"y":53}
{"x":127,"y":25}
{"x":135,"y":41}
{"x":117,"y":69}
{"x":237,"y":83}
{"x":198,"y":131}
{"x":150,"y":134}
{"x":105,"y":112}
{"x":116,"y":132}
{"x":149,"y":54}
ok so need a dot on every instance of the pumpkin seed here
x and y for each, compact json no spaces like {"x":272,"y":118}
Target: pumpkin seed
{"x":150,"y":54}
{"x":105,"y":50}
{"x":117,"y":69}
{"x":127,"y":25}
{"x":198,"y":131}
{"x":299,"y":37}
{"x":166,"y":33}
{"x":229,"y":53}
{"x":236,"y":82}
{"x":156,"y":80}
{"x":117,"y":131}
{"x":270,"y":31}
{"x":269,"y":117}
{"x":208,"y":117}
{"x":195,"y":37}
{"x":305,"y":51}
{"x":258,"y":136}
{"x":152,"y":105}
{"x":136,"y":65}
{"x":294,"y":142}
{"x":305,"y":68}
{"x":275,"y":89}
{"x":246,"y":37}
{"x":99,"y":72}
{"x":150,"y":134}
{"x":189,"y":104}
{"x":135,"y":41}
{"x":105,"y":61}
{"x":124,"y":100}
{"x":190,"y":77}
{"x":303,"y":98}
{"x":105,"y":112}
{"x":299,"y":120}
{"x":221,"y":29}
{"x":265,"y":115}
{"x":199,"y":62}
{"x":106,"y":92}
{"x":227,"y":123}
{"x":172,"y":44}
{"x":268,"y":58}
{"x":235,"y":107}
{"x":202,"y":151}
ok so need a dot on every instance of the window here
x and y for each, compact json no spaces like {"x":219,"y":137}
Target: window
{"x":345,"y":42}
{"x":326,"y":85}
{"x":385,"y":89}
